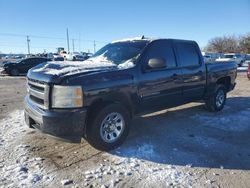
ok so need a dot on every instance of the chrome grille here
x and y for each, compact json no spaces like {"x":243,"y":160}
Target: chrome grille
{"x":38,"y":93}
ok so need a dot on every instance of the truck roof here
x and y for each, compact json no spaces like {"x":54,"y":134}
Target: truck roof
{"x":138,"y":39}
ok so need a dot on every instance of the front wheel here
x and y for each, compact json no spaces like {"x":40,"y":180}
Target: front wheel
{"x":216,"y":102}
{"x":109,"y":127}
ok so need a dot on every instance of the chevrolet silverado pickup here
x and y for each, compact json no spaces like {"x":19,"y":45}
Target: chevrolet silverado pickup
{"x":96,"y":99}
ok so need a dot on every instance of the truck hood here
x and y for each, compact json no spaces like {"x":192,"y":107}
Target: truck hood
{"x":54,"y":72}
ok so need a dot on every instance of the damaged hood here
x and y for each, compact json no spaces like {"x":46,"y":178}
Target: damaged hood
{"x":55,"y":71}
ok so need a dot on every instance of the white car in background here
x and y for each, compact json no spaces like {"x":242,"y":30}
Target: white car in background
{"x":210,"y":57}
{"x":232,"y":57}
{"x":75,"y":56}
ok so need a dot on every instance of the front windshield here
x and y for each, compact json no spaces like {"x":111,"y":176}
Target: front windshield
{"x":120,"y":52}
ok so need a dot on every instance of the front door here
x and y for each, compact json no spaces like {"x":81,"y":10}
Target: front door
{"x":159,"y":88}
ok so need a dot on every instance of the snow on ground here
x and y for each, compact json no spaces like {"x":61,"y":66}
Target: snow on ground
{"x":240,"y":120}
{"x":24,"y":170}
{"x":21,"y":169}
{"x":242,"y":68}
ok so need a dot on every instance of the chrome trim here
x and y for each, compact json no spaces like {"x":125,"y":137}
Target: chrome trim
{"x":35,"y":92}
{"x":36,"y":84}
{"x":34,"y":114}
{"x":42,"y":94}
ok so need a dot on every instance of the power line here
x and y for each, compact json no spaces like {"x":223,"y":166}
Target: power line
{"x":52,"y":38}
{"x":59,"y":42}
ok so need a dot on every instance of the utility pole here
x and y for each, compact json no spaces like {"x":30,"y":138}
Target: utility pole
{"x":73,"y":43}
{"x":28,"y":43}
{"x":94,"y":46}
{"x":79,"y":43}
{"x":68,"y":39}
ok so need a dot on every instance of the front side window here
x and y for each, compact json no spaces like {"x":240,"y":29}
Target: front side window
{"x":187,"y":53}
{"x":161,"y":49}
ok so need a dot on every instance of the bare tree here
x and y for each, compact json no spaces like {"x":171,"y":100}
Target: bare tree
{"x":223,"y":44}
{"x":244,"y":44}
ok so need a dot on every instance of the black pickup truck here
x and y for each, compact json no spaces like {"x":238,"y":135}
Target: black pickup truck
{"x":96,"y":99}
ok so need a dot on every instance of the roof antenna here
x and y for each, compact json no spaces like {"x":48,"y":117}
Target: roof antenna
{"x":142,"y":37}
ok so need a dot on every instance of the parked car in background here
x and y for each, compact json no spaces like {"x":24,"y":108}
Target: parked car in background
{"x":248,"y":71}
{"x":210,"y":57}
{"x":232,"y":57}
{"x":97,"y":98}
{"x":58,"y":58}
{"x":22,"y":66}
{"x":63,"y":53}
{"x":55,"y":57}
{"x":86,"y":55}
{"x":247,"y":59}
{"x":75,"y":56}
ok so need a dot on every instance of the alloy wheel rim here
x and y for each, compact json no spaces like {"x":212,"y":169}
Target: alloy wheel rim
{"x":112,"y":127}
{"x":220,"y":98}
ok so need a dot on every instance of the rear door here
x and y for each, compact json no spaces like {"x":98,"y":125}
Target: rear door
{"x":159,"y":88}
{"x":193,"y":69}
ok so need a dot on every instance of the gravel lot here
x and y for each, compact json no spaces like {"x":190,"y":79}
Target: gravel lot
{"x":179,"y":147}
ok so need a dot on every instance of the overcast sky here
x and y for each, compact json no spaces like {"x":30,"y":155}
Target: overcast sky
{"x":45,"y":21}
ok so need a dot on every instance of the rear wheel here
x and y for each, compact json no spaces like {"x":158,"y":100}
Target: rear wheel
{"x":14,"y":72}
{"x":109,"y":127}
{"x":216,"y":102}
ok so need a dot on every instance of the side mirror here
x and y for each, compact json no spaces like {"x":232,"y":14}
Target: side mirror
{"x":155,"y":63}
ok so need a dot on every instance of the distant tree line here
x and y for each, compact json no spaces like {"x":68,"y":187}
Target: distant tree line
{"x":227,"y":44}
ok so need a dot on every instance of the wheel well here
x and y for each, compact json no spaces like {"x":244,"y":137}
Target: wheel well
{"x":225,"y":81}
{"x":100,"y":103}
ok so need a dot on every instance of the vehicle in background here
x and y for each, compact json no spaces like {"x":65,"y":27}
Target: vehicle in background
{"x":210,"y":57}
{"x":248,"y":71}
{"x":55,"y":57}
{"x":247,"y":59}
{"x":3,"y":62}
{"x":96,"y":99}
{"x":22,"y":66}
{"x":75,"y":56}
{"x":58,"y":58}
{"x":18,"y":57}
{"x":86,"y":55}
{"x":232,"y":57}
{"x":63,"y":53}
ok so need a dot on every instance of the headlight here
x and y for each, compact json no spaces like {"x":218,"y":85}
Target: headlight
{"x":67,"y":97}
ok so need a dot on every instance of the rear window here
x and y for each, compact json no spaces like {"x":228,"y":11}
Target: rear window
{"x":187,"y":53}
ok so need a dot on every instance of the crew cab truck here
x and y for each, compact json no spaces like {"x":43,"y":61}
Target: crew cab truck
{"x":96,"y":99}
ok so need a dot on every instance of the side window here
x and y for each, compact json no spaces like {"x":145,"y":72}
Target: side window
{"x":187,"y":53}
{"x":161,"y":49}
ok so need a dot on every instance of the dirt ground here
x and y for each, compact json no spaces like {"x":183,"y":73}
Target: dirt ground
{"x":178,"y":147}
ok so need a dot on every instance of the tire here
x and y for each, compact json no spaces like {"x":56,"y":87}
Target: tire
{"x":216,"y":102}
{"x":14,"y":72}
{"x":108,"y":127}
